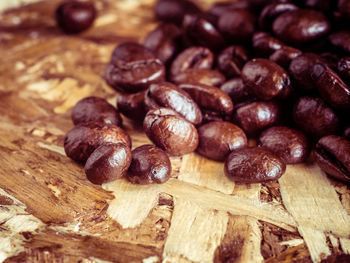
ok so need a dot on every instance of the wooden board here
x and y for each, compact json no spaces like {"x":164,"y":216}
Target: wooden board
{"x":49,"y":211}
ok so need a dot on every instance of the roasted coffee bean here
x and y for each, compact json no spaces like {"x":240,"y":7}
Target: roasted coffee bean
{"x":173,"y":11}
{"x":347,"y":132}
{"x":95,"y":109}
{"x":341,"y":41}
{"x":84,"y":138}
{"x":74,"y":16}
{"x":231,"y":60}
{"x":167,"y":95}
{"x":331,"y":87}
{"x":271,"y":11}
{"x":218,"y":8}
{"x":132,"y":105}
{"x":236,"y":90}
{"x":200,"y":75}
{"x":284,"y":56}
{"x":289,"y":144}
{"x":192,"y":58}
{"x":237,"y":25}
{"x":314,"y":117}
{"x":253,"y":165}
{"x":344,"y":68}
{"x":209,"y":116}
{"x":149,"y":165}
{"x":256,"y":116}
{"x":301,"y":26}
{"x":170,"y":132}
{"x":265,"y":79}
{"x":164,"y":41}
{"x":333,"y":156}
{"x":133,"y":68}
{"x":264,"y":44}
{"x":108,"y":163}
{"x":218,"y":138}
{"x":209,"y":98}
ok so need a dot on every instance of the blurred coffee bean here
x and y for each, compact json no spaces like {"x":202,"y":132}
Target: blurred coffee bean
{"x":236,"y":90}
{"x":203,"y":76}
{"x":341,"y":41}
{"x":271,"y":11}
{"x":344,"y":69}
{"x":231,"y":60}
{"x":284,"y":56}
{"x":264,"y":44}
{"x":132,"y":105}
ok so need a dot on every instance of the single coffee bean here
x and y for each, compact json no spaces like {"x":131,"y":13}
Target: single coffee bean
{"x":284,"y":56}
{"x":164,"y":41}
{"x":132,"y":105}
{"x":344,"y":68}
{"x":95,"y":109}
{"x":271,"y":11}
{"x":253,"y":165}
{"x":331,"y":87}
{"x":301,"y":26}
{"x":253,"y":117}
{"x":203,"y":76}
{"x":84,"y":138}
{"x":167,"y":95}
{"x":74,"y":17}
{"x":218,"y":138}
{"x":236,"y":90}
{"x":290,"y":145}
{"x":209,"y":98}
{"x":341,"y":41}
{"x":133,"y":68}
{"x":314,"y":117}
{"x":347,"y":132}
{"x":149,"y":165}
{"x":231,"y":60}
{"x":170,"y":132}
{"x":264,"y":44}
{"x":265,"y":79}
{"x":108,"y":163}
{"x":332,"y":154}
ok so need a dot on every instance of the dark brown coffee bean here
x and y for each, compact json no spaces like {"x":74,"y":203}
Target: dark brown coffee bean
{"x":341,"y":41}
{"x":218,"y":8}
{"x":271,"y":11}
{"x":264,"y":44}
{"x":284,"y":56}
{"x":133,"y":68}
{"x":236,"y":90}
{"x":149,"y":165}
{"x":108,"y":163}
{"x":132,"y":105}
{"x":167,"y":95}
{"x":300,"y":27}
{"x":217,"y":139}
{"x":314,"y":117}
{"x":74,"y":16}
{"x":333,"y":156}
{"x":265,"y":79}
{"x":203,"y":76}
{"x":84,"y":138}
{"x":209,"y":116}
{"x":289,"y":144}
{"x":254,"y":117}
{"x":253,"y":165}
{"x":344,"y":68}
{"x":331,"y":87}
{"x":164,"y":41}
{"x":209,"y":98}
{"x":231,"y":60}
{"x":170,"y":132}
{"x":95,"y":109}
{"x":330,"y":59}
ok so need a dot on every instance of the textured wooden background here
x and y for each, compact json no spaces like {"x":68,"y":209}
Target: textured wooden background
{"x":49,"y":212}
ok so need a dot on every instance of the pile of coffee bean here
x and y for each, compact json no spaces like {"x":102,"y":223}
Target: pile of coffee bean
{"x":277,"y":72}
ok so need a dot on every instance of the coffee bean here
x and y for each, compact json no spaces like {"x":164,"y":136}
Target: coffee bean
{"x":132,"y":105}
{"x":231,"y":60}
{"x":264,"y":44}
{"x":95,"y":109}
{"x":84,"y":138}
{"x":209,"y":116}
{"x":341,"y":41}
{"x":218,"y":8}
{"x":149,"y":165}
{"x":170,"y":132}
{"x":203,"y":76}
{"x":284,"y":56}
{"x":236,"y":90}
{"x":289,"y":144}
{"x":253,"y":165}
{"x":74,"y":17}
{"x":108,"y":163}
{"x":344,"y":69}
{"x":218,"y":138}
{"x":271,"y":11}
{"x":332,"y":154}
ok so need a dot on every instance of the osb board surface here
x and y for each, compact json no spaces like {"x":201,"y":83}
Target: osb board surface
{"x":51,"y":213}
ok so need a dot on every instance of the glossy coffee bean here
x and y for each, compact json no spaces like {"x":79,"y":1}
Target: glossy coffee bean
{"x":236,"y":90}
{"x":218,"y":138}
{"x":170,"y":132}
{"x":290,"y":145}
{"x":133,"y":68}
{"x":164,"y":41}
{"x":95,"y":109}
{"x":132,"y":105}
{"x":84,"y":138}
{"x":256,"y":116}
{"x":231,"y":60}
{"x":284,"y":56}
{"x":341,"y":41}
{"x":265,"y":79}
{"x":108,"y":163}
{"x":209,"y":98}
{"x":149,"y":165}
{"x":167,"y":95}
{"x":332,"y":154}
{"x":74,"y":16}
{"x":314,"y":117}
{"x":200,"y":75}
{"x":253,"y":165}
{"x":264,"y":44}
{"x":343,"y":67}
{"x":271,"y":12}
{"x":331,"y":87}
{"x":300,"y":27}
